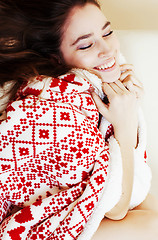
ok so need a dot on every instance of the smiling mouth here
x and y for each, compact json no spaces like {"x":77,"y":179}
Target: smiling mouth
{"x":106,"y":66}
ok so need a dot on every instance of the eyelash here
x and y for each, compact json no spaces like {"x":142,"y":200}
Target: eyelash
{"x":106,"y":35}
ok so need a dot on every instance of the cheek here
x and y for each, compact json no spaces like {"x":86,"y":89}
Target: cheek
{"x":75,"y":58}
{"x":85,"y":60}
{"x":80,"y":60}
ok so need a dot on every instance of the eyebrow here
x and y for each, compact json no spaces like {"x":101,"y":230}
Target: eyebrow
{"x":90,"y":34}
{"x":106,"y":25}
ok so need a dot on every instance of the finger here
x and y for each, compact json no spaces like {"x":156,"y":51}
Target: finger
{"x":132,"y":79}
{"x":102,"y":108}
{"x":125,"y":74}
{"x":125,"y":67}
{"x":129,"y":67}
{"x":138,"y":90}
{"x":3,"y":116}
{"x":118,"y":87}
{"x":128,"y":85}
{"x":108,"y":90}
{"x":121,"y":85}
{"x":137,"y":82}
{"x":129,"y":75}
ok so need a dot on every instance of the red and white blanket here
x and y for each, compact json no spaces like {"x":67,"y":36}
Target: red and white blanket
{"x":57,"y":166}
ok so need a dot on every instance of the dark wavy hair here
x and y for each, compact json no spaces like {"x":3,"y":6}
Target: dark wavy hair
{"x":30,"y":37}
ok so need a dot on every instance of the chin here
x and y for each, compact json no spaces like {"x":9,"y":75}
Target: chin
{"x":110,"y":75}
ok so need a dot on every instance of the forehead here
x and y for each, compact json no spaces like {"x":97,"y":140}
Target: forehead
{"x":84,"y":20}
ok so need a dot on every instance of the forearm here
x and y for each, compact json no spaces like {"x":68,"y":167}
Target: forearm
{"x":122,"y":113}
{"x":121,"y":208}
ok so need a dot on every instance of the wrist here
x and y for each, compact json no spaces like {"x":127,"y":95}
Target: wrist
{"x":126,"y":137}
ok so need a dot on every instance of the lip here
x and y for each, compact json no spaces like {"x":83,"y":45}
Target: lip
{"x":108,"y":69}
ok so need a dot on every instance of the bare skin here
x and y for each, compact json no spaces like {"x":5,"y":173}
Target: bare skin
{"x":91,"y":45}
{"x":3,"y":116}
{"x":125,"y":123}
{"x":139,"y":223}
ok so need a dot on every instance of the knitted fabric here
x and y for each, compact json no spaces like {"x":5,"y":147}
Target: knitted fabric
{"x":57,"y":166}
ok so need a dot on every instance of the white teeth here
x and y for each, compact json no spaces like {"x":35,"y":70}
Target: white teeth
{"x":108,"y":65}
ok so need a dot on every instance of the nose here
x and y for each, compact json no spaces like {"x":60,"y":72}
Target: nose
{"x":104,"y":49}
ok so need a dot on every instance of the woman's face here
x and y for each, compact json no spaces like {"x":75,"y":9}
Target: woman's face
{"x":88,"y":42}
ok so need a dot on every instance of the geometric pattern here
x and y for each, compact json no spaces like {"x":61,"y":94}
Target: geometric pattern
{"x":49,"y":145}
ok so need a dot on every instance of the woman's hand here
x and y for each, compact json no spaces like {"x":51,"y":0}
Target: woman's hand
{"x":130,"y":81}
{"x":121,"y":111}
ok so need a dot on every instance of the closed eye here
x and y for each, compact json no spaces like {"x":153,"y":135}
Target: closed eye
{"x":90,"y":45}
{"x":85,"y":47}
{"x":108,"y":34}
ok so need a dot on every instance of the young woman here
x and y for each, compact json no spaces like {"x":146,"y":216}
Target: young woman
{"x":74,"y":175}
